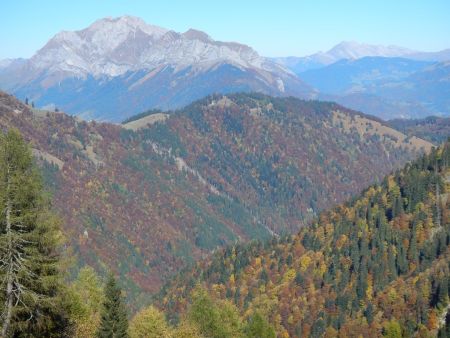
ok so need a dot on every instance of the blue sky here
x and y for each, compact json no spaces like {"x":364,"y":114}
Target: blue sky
{"x":273,"y":28}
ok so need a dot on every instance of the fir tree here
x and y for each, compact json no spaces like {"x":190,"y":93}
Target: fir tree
{"x":31,"y":290}
{"x":114,"y":321}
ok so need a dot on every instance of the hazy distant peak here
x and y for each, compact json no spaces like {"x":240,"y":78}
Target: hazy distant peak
{"x":356,"y":50}
{"x":8,"y":62}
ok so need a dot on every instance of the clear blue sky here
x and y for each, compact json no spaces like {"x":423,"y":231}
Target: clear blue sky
{"x":272,"y":27}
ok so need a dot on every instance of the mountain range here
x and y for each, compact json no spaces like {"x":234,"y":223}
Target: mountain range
{"x":118,"y":67}
{"x":388,"y":82}
{"x":161,"y":191}
{"x":352,"y":50}
{"x":385,"y":87}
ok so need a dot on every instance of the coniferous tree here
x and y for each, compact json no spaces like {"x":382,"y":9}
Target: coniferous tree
{"x":114,"y":321}
{"x":32,"y":294}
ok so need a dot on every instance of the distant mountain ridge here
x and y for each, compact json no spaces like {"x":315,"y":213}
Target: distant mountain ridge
{"x":434,"y":129}
{"x":119,"y":67}
{"x":355,"y":75}
{"x":353,"y":50}
{"x":385,"y":87}
{"x":123,"y":66}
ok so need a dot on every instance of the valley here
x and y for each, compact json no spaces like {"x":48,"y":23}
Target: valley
{"x":234,"y":168}
{"x":356,"y":271}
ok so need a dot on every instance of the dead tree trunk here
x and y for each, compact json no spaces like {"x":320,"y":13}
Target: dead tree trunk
{"x":9,"y":260}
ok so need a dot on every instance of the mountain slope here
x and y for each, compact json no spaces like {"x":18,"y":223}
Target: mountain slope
{"x":386,"y":87}
{"x":361,"y":75}
{"x":434,"y":129}
{"x":146,"y":202}
{"x":377,"y":265}
{"x":275,"y":153}
{"x":118,"y":67}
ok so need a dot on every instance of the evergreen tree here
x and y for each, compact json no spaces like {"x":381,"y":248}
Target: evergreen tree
{"x":114,"y":321}
{"x":31,"y":291}
{"x":368,"y":313}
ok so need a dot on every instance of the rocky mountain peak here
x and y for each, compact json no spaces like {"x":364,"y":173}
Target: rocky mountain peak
{"x":114,"y":46}
{"x":193,"y":34}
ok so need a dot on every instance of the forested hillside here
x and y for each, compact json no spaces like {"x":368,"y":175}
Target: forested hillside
{"x":376,"y":265}
{"x":146,"y":202}
{"x":285,"y":158}
{"x":433,"y":128}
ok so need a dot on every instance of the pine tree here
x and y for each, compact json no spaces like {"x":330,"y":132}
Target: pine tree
{"x":31,"y":289}
{"x":114,"y":321}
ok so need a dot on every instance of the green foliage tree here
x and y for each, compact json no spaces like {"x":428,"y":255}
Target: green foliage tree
{"x":32,"y":291}
{"x":258,"y":327}
{"x":393,"y":329}
{"x":217,"y":320}
{"x":114,"y":321}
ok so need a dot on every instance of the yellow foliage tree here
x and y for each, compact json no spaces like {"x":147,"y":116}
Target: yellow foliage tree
{"x":187,"y":329}
{"x":149,"y":323}
{"x":87,"y":299}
